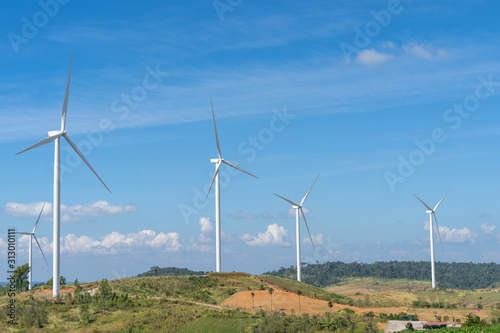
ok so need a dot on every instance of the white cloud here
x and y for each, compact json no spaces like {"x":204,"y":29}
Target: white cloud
{"x":401,"y":253}
{"x":114,"y":242}
{"x":420,"y":51}
{"x":318,"y":239}
{"x":207,"y":228}
{"x":456,"y":235}
{"x":274,"y":235}
{"x":487,"y":228}
{"x":442,"y":53}
{"x":206,"y":225}
{"x":372,"y":57}
{"x":69,"y":213}
{"x":424,"y":51}
{"x":388,"y":45}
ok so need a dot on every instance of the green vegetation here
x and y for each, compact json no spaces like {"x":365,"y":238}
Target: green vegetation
{"x":170,"y":271}
{"x":62,"y":281}
{"x":21,"y":275}
{"x":342,"y":322}
{"x":223,"y":323}
{"x":473,"y":329}
{"x":451,"y":275}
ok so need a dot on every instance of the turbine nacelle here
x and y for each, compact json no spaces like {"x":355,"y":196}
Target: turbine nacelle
{"x":53,"y":133}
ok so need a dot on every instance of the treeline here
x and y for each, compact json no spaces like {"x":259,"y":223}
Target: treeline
{"x":170,"y":271}
{"x":448,"y":275}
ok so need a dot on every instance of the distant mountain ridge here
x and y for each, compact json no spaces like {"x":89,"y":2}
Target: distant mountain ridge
{"x":170,"y":271}
{"x":448,"y":275}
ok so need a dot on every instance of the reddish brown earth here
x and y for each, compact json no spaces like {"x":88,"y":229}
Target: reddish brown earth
{"x":283,"y":301}
{"x":63,"y":291}
{"x":289,"y":303}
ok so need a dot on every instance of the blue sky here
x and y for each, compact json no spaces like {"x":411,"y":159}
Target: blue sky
{"x":382,"y":98}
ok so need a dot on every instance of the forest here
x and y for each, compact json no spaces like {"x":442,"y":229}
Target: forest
{"x":453,"y":275}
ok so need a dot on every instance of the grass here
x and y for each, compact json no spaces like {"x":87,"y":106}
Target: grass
{"x":222,"y":325}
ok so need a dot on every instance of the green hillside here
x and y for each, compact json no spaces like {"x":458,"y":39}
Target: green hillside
{"x":183,"y":304}
{"x":449,"y":275}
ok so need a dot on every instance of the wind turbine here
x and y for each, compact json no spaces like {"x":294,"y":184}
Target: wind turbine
{"x":432,"y":214}
{"x":218,"y":162}
{"x":298,"y":208}
{"x":32,"y":235}
{"x":55,"y":136}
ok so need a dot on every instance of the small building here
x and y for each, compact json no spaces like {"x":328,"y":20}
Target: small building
{"x":437,"y":325}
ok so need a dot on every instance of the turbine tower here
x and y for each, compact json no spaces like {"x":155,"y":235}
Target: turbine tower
{"x":32,"y":235}
{"x":432,"y":214}
{"x":298,"y":208}
{"x":218,"y":162}
{"x":55,"y":136}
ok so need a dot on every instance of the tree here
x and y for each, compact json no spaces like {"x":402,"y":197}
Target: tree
{"x":409,"y":327}
{"x":299,"y":292}
{"x":330,"y":305}
{"x":253,"y":304}
{"x":78,"y":288}
{"x":62,"y":281}
{"x":104,"y":288}
{"x":271,"y":291}
{"x":156,"y":270}
{"x":21,"y":276}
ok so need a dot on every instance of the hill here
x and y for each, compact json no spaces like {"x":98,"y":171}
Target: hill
{"x":215,"y":302}
{"x":465,"y":276}
{"x":170,"y":271}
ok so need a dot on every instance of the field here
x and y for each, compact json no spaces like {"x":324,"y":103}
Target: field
{"x":224,"y":301}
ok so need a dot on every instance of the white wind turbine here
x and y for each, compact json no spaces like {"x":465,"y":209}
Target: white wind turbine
{"x":218,"y":162}
{"x":432,"y":214}
{"x":298,"y":207}
{"x":32,"y":235}
{"x":55,"y":136}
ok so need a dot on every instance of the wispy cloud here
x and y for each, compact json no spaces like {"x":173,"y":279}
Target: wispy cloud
{"x":71,"y":213}
{"x":372,"y":57}
{"x":487,"y":228}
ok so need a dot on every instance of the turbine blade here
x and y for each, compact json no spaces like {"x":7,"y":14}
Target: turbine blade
{"x":215,"y":126}
{"x":429,"y":208}
{"x":85,"y":160}
{"x":40,"y":249}
{"x":442,"y":199}
{"x":213,"y":179}
{"x":38,"y":219}
{"x":289,"y":201}
{"x":307,"y":227}
{"x":65,"y":103}
{"x":437,"y":227}
{"x":305,"y":196}
{"x":43,"y":142}
{"x":23,"y":233}
{"x":237,"y":167}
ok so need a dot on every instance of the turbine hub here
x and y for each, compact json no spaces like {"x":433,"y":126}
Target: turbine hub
{"x":429,"y":211}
